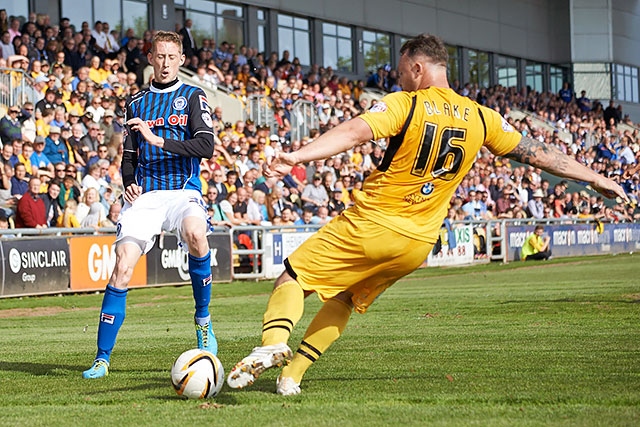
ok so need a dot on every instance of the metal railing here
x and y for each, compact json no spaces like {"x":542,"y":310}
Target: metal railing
{"x":304,"y":117}
{"x":16,"y":87}
{"x":259,"y":108}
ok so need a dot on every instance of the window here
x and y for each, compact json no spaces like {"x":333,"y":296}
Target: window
{"x":262,"y":30}
{"x":479,"y":68}
{"x":453,"y":67}
{"x":77,"y":11}
{"x":107,"y":12}
{"x":336,"y":46}
{"x":217,"y":20}
{"x":594,"y":78}
{"x":135,"y":15}
{"x":293,"y":35}
{"x":507,"y":71}
{"x":377,"y":50}
{"x":625,"y":83}
{"x":557,"y":76}
{"x":534,"y":76}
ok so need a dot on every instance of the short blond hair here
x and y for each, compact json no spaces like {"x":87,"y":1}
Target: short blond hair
{"x":166,"y":36}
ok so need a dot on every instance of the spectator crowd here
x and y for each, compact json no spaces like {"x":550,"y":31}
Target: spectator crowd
{"x":62,"y":146}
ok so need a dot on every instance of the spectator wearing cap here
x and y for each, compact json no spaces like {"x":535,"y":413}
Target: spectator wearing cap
{"x":90,"y":142}
{"x":55,"y":148}
{"x":10,"y":127}
{"x":314,"y":194}
{"x":38,"y":158}
{"x":86,"y":121}
{"x":106,"y":125}
{"x":535,"y":206}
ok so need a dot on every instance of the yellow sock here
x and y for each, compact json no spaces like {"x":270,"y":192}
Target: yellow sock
{"x":284,"y":309}
{"x":324,"y":329}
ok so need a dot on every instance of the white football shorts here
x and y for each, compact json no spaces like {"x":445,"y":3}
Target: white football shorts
{"x":158,"y":211}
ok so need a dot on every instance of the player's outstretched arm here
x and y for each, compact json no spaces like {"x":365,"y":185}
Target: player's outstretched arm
{"x":552,"y":160}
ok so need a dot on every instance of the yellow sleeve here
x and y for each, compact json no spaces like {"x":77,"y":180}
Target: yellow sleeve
{"x":536,"y":243}
{"x":501,"y":137}
{"x":388,"y":115}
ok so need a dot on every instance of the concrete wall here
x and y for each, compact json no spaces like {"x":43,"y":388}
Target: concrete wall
{"x":533,"y":29}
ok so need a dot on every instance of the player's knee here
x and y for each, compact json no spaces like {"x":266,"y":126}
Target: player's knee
{"x":121,"y":275}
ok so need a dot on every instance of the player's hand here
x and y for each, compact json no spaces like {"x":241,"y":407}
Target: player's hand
{"x":132,"y":192}
{"x":280,"y":165}
{"x":610,"y":189}
{"x":139,"y":125}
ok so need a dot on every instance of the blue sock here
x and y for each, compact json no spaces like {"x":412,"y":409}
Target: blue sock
{"x":112,"y":315}
{"x":200,"y":272}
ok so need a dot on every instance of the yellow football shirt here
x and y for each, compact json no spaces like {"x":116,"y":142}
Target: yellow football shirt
{"x":435,"y":137}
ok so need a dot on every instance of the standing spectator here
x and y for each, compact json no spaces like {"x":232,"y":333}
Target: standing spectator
{"x":30,"y":212}
{"x":189,"y":46}
{"x":584,"y":103}
{"x":6,"y":47}
{"x":566,"y":93}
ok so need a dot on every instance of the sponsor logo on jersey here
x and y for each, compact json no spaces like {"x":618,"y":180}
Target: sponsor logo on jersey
{"x":173,"y":120}
{"x":204,"y":104}
{"x":180,"y":103}
{"x":206,"y":118}
{"x":107,"y":318}
{"x":506,"y":126}
{"x":427,"y":188}
{"x":379,"y":107}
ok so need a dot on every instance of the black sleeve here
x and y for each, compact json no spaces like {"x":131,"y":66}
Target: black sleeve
{"x":201,"y":126}
{"x":129,"y":153}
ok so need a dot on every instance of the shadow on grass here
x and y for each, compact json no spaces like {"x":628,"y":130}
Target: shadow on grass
{"x":40,"y":368}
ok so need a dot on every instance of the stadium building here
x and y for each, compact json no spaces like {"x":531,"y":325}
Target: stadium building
{"x":593,"y":44}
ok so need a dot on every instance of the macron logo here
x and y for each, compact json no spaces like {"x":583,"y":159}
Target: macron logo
{"x":107,"y":318}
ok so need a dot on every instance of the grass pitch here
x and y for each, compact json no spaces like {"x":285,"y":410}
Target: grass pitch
{"x":524,"y":344}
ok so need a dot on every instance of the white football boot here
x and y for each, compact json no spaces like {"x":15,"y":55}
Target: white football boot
{"x":286,"y":386}
{"x":261,"y":358}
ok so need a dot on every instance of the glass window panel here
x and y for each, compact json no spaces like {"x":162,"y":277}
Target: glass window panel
{"x":344,"y":55}
{"x":135,"y":15}
{"x":302,"y":50}
{"x":77,"y":12}
{"x":285,"y":20}
{"x":204,"y":27}
{"x":368,"y":36}
{"x":18,"y":8}
{"x":344,"y":31}
{"x":285,"y":39}
{"x":261,"y":38}
{"x":329,"y":29}
{"x":229,"y":10}
{"x":201,"y":5}
{"x":178,"y":2}
{"x":230,"y":30}
{"x":107,"y":12}
{"x":330,"y":52}
{"x":260,"y":15}
{"x":301,"y":24}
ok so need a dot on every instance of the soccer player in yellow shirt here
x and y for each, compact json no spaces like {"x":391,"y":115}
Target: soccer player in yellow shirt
{"x":435,"y":135}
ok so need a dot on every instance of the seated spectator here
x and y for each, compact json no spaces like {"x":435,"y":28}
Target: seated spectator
{"x":30,"y":211}
{"x":114,"y":214}
{"x":68,"y":217}
{"x":535,"y":205}
{"x":10,"y":126}
{"x":19,"y":181}
{"x":40,"y":161}
{"x":94,"y":179}
{"x":5,"y":225}
{"x":91,"y":205}
{"x":314,"y":194}
{"x":52,"y":207}
{"x":536,"y":247}
{"x":69,"y":190}
{"x":55,"y":148}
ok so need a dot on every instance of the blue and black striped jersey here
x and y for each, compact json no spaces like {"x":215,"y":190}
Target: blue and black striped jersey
{"x":181,"y":115}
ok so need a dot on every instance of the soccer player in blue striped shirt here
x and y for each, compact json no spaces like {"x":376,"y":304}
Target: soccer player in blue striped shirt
{"x":168,"y":131}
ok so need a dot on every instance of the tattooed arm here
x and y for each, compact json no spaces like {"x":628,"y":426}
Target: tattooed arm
{"x":552,"y":160}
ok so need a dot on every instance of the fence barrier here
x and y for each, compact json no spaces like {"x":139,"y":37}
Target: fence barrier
{"x":45,"y":261}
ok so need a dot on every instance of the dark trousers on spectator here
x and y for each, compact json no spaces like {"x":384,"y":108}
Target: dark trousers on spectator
{"x":540,"y":255}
